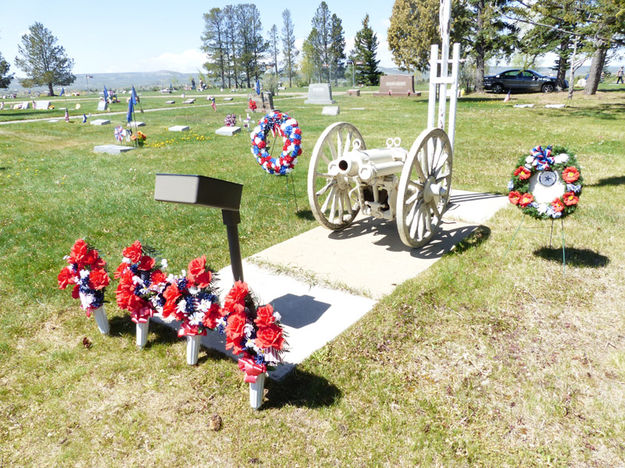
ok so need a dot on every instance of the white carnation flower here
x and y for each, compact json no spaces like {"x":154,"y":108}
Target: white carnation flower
{"x":561,"y":158}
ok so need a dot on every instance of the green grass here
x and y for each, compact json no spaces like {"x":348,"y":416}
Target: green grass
{"x":492,"y":357}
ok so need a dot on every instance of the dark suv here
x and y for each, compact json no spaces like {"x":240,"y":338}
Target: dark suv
{"x":521,"y":80}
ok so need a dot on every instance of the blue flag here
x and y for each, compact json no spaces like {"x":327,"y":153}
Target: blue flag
{"x":131,"y":109}
{"x":133,"y":96}
{"x":62,"y":92}
{"x":106,"y":94}
{"x":257,"y":87}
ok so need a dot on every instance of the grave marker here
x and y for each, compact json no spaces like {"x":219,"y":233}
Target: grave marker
{"x":100,"y":122}
{"x":25,"y":105}
{"x":189,"y":101}
{"x":179,"y":128}
{"x":319,"y":93}
{"x":103,"y":105}
{"x":111,"y":149}
{"x":227,"y":99}
{"x":42,"y":105}
{"x":330,"y":110}
{"x":228,"y":131}
{"x":397,"y":85}
{"x":170,"y":102}
{"x":353,"y":92}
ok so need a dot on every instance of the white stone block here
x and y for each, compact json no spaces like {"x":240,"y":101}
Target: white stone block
{"x":179,"y":128}
{"x":228,"y":131}
{"x":330,"y":110}
{"x":112,"y":149}
{"x":100,"y":122}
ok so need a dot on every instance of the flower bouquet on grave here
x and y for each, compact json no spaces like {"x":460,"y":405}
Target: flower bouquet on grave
{"x":191,"y":299}
{"x":86,"y":270}
{"x":230,"y":120}
{"x":141,"y":286}
{"x":254,"y":333}
{"x":139,"y":138}
{"x":251,"y":105}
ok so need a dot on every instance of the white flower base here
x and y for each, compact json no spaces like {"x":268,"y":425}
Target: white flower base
{"x":100,"y":318}
{"x":257,"y":390}
{"x":142,"y":333}
{"x":193,"y":348}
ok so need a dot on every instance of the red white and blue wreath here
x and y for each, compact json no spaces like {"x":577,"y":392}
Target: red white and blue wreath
{"x":546,"y":184}
{"x":288,"y":129}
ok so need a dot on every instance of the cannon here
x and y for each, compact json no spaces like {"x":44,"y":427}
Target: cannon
{"x":411,"y":186}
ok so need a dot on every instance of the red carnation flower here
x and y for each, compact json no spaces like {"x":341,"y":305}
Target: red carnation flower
{"x":570,"y":174}
{"x":79,"y":252}
{"x":158,"y":277}
{"x":514,"y":197}
{"x":172,"y":293}
{"x":98,"y":279}
{"x":270,"y":337}
{"x":570,"y":199}
{"x":65,"y":277}
{"x":133,"y":252}
{"x":197,"y":266}
{"x":526,"y":199}
{"x":523,"y":172}
{"x":212,"y":315}
{"x":120,"y":270}
{"x":146,"y":263}
{"x":264,"y":316}
{"x":237,"y":295}
{"x":557,"y":205}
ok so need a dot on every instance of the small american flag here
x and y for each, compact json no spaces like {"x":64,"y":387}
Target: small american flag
{"x":66,"y":115}
{"x":213,"y":105}
{"x":507,"y":98}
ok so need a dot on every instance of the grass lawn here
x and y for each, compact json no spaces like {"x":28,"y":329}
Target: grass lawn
{"x":495,"y":356}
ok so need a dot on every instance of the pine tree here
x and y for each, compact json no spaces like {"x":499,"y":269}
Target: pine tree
{"x":289,"y":51}
{"x":214,"y":44}
{"x":337,"y":48}
{"x":322,"y":40}
{"x":5,"y":78}
{"x":273,"y":47}
{"x":42,"y":60}
{"x":364,"y":55}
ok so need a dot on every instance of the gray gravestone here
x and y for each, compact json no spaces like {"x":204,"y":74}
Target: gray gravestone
{"x":100,"y":122}
{"x":189,"y":101}
{"x":228,"y":131}
{"x":25,"y":105}
{"x":179,"y":128}
{"x":319,"y":93}
{"x":42,"y":105}
{"x":330,"y":110}
{"x":111,"y":149}
{"x":397,"y":85}
{"x":170,"y":102}
{"x":136,"y":124}
{"x":353,"y":92}
{"x":264,"y":102}
{"x":103,"y":105}
{"x":227,"y":99}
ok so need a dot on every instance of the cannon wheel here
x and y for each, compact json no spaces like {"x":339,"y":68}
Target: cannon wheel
{"x":333,"y":198}
{"x":424,"y":187}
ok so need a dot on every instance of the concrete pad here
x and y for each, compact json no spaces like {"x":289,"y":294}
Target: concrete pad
{"x":100,"y":122}
{"x":228,"y":131}
{"x":227,"y":99}
{"x":330,"y":110}
{"x":367,"y":257}
{"x":136,"y":124}
{"x":554,"y":106}
{"x":179,"y":128}
{"x":474,"y":207}
{"x":112,"y":149}
{"x":170,"y":102}
{"x":189,"y":101}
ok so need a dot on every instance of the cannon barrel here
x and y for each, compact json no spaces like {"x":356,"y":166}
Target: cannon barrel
{"x":372,"y":163}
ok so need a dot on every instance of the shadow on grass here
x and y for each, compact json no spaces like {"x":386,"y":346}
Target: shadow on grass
{"x":305,"y":214}
{"x":301,"y":389}
{"x":476,"y":238}
{"x":616,"y":180}
{"x":574,"y":257}
{"x":124,"y":326}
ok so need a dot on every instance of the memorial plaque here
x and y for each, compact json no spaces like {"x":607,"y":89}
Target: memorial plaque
{"x":353,"y":92}
{"x":170,"y":102}
{"x":25,"y":105}
{"x":179,"y":128}
{"x":136,"y":124}
{"x":397,"y":85}
{"x":100,"y":122}
{"x":227,"y":99}
{"x":330,"y":110}
{"x":319,"y":93}
{"x":189,"y":101}
{"x":103,"y":105}
{"x":228,"y":131}
{"x":111,"y":149}
{"x":42,"y":105}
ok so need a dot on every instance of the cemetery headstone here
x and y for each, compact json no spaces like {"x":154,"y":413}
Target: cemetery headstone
{"x":319,"y":93}
{"x":228,"y":131}
{"x":25,"y":105}
{"x":353,"y":92}
{"x":100,"y":122}
{"x":42,"y":105}
{"x":330,"y":110}
{"x":179,"y":128}
{"x":189,"y":101}
{"x":227,"y":99}
{"x":136,"y":124}
{"x":170,"y":102}
{"x":112,"y":149}
{"x":103,"y":105}
{"x":397,"y":85}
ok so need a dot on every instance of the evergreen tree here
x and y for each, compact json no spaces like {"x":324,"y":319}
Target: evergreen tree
{"x":214,"y":44}
{"x":311,"y":61}
{"x":364,"y":55}
{"x":273,"y":47}
{"x":289,"y":52}
{"x":42,"y":60}
{"x":253,"y":45}
{"x":337,"y":48}
{"x":322,"y":40}
{"x":5,"y":78}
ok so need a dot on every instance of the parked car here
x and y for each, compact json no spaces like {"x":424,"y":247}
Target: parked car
{"x":521,"y":80}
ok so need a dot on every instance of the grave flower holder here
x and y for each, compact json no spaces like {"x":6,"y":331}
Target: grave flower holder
{"x":257,"y":390}
{"x":102,"y":321}
{"x":142,"y":333}
{"x":193,"y":349}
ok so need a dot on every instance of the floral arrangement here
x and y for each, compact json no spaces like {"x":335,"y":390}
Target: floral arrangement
{"x":252,"y":332}
{"x":546,"y":167}
{"x":251,"y":104}
{"x":230,"y":120}
{"x":191,"y":299}
{"x":139,"y":138}
{"x":141,"y":282}
{"x":291,"y":134}
{"x":86,"y":270}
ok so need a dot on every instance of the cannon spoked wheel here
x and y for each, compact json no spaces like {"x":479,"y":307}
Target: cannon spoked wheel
{"x":333,"y":196}
{"x":424,"y":187}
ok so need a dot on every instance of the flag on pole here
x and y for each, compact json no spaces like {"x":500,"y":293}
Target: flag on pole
{"x":62,"y":92}
{"x":66,"y":115}
{"x":131,"y":109}
{"x":507,"y":98}
{"x":84,"y":118}
{"x":106,"y":94}
{"x":133,"y":96}
{"x":257,"y":87}
{"x":213,"y":105}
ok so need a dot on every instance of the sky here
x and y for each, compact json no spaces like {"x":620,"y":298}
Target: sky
{"x":144,"y":35}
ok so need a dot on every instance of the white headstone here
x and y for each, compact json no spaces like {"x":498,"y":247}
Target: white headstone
{"x":25,"y":105}
{"x":111,"y":149}
{"x":554,"y":106}
{"x":100,"y":122}
{"x":179,"y":128}
{"x":189,"y":101}
{"x":42,"y":105}
{"x":228,"y":131}
{"x":103,"y":105}
{"x":330,"y":110}
{"x":319,"y":93}
{"x":136,"y":124}
{"x":227,"y":99}
{"x":170,"y":102}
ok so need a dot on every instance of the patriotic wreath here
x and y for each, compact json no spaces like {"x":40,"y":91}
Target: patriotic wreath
{"x":547,"y":183}
{"x":288,"y":129}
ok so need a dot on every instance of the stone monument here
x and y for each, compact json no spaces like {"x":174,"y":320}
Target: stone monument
{"x":397,"y":85}
{"x":319,"y":93}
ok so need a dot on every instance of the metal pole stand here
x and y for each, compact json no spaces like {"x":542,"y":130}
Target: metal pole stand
{"x":231,"y":219}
